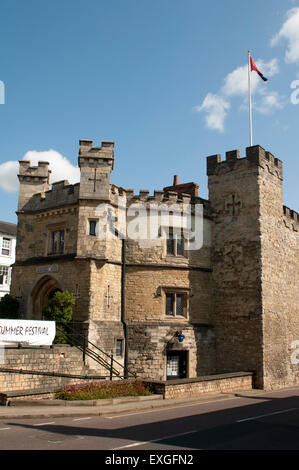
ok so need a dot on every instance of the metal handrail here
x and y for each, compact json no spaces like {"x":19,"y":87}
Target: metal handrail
{"x":90,"y":352}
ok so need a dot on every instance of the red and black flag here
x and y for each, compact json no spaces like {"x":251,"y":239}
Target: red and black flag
{"x":254,"y":67}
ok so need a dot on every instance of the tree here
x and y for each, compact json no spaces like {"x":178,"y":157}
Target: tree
{"x":60,"y":310}
{"x":9,"y":307}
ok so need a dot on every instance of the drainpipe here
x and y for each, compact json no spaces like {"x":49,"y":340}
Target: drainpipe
{"x":123,"y":305}
{"x":123,"y":288}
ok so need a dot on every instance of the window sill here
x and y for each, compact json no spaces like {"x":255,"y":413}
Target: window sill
{"x":58,"y":253}
{"x":172,"y":258}
{"x":176,"y":317}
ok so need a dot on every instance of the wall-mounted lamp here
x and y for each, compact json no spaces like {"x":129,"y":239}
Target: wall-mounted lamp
{"x":180,"y":336}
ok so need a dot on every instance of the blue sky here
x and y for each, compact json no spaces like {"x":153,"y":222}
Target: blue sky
{"x":163,"y":79}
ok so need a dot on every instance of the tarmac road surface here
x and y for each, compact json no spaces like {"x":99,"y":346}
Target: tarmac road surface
{"x":259,"y":421}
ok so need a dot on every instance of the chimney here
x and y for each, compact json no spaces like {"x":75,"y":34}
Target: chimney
{"x":184,"y":188}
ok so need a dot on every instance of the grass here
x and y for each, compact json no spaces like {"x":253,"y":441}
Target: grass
{"x":101,"y":390}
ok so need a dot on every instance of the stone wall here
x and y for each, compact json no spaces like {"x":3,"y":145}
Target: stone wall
{"x":89,"y":246}
{"x":62,"y":359}
{"x":280,"y":279}
{"x":105,"y":291}
{"x":255,"y":268}
{"x":223,"y":383}
{"x":33,"y":179}
{"x":31,"y":285}
{"x":35,"y":228}
{"x":95,"y":165}
{"x":104,"y":334}
{"x":149,"y":342}
{"x":146,"y":287}
{"x":236,"y":247}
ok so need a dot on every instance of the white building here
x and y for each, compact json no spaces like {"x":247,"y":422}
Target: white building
{"x":8,"y":233}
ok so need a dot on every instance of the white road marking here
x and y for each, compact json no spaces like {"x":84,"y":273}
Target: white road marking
{"x":263,"y":416}
{"x":81,"y":419}
{"x":44,"y":424}
{"x":136,"y":444}
{"x":4,"y":429}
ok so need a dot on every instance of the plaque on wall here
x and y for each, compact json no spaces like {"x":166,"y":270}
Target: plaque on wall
{"x":52,"y":268}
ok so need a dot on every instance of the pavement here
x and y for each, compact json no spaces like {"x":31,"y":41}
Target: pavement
{"x":43,"y":408}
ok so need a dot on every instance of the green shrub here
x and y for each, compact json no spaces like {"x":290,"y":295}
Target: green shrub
{"x":9,"y":307}
{"x":60,"y":310}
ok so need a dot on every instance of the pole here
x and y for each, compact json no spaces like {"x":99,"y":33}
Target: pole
{"x":123,"y":307}
{"x":111,"y":366}
{"x":249,"y":99}
{"x":123,"y":293}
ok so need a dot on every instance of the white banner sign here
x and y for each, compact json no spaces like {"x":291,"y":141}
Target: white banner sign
{"x":32,"y":332}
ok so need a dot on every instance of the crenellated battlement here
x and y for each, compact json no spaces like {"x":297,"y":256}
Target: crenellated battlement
{"x":96,"y":164}
{"x":291,"y":218}
{"x":255,"y":156}
{"x":92,"y":154}
{"x":33,"y":180}
{"x":61,"y":194}
{"x":29,"y":173}
{"x":158,"y":197}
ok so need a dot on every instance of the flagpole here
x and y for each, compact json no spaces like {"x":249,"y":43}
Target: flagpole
{"x":249,"y":98}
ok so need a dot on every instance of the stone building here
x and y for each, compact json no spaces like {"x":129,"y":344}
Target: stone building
{"x":8,"y":233}
{"x":165,"y":309}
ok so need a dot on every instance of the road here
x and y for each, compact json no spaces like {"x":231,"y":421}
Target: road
{"x":267,"y":421}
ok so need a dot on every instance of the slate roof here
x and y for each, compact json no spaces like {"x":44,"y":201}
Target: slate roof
{"x":8,"y":228}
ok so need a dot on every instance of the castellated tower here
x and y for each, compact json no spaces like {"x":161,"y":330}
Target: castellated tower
{"x":96,"y":164}
{"x":33,"y":180}
{"x":251,"y":258}
{"x":102,"y":255}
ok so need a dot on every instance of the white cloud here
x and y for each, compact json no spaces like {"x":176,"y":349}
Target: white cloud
{"x":269,"y":102}
{"x":216,"y":109}
{"x":8,"y":176}
{"x":236,"y":82}
{"x":60,"y":167}
{"x":270,"y":68}
{"x":290,"y":32}
{"x":216,"y":106}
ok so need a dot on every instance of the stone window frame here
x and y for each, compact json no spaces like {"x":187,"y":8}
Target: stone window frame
{"x":174,"y":291}
{"x":174,"y":254}
{"x":51,"y":229}
{"x":119,"y":341}
{"x":95,"y":221}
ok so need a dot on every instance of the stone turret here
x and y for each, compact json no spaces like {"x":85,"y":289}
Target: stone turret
{"x":33,"y":180}
{"x":246,"y":200}
{"x":96,"y":164}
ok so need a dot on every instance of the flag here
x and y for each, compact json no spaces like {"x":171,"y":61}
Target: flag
{"x":254,"y":67}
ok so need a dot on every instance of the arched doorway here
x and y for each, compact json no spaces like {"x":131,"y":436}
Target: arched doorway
{"x":42,"y":292}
